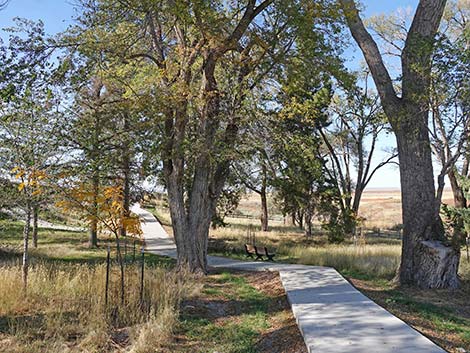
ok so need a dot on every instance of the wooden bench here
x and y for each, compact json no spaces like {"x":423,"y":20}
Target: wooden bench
{"x":252,"y":251}
{"x":260,"y":252}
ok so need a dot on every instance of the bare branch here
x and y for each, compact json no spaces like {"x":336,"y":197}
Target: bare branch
{"x":371,"y":53}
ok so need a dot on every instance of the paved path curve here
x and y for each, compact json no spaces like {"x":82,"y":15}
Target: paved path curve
{"x":332,"y":315}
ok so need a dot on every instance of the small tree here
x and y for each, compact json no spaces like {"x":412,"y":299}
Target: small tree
{"x":350,"y":136}
{"x":110,"y":216}
{"x":30,"y":187}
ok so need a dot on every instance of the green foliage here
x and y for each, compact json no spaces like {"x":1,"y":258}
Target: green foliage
{"x":455,"y":217}
{"x":226,"y":204}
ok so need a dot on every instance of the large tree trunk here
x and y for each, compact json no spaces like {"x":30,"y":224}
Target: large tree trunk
{"x":191,"y":224}
{"x":264,"y":211}
{"x":426,"y":259}
{"x":35,"y":226}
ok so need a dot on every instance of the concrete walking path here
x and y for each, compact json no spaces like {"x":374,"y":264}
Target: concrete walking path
{"x":332,"y":315}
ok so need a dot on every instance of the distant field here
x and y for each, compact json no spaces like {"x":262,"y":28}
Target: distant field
{"x":380,"y":207}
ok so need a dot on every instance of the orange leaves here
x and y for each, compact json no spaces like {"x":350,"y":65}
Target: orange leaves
{"x":132,"y":225}
{"x":104,"y":205}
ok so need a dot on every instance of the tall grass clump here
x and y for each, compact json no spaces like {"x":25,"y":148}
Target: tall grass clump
{"x":374,"y":261}
{"x":64,"y":308}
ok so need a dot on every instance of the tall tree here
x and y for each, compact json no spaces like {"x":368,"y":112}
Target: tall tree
{"x":427,"y":260}
{"x":197,"y":58}
{"x":253,"y":169}
{"x":449,"y":88}
{"x":29,"y":115}
{"x":301,"y":184}
{"x":350,"y":137}
{"x":450,"y":100}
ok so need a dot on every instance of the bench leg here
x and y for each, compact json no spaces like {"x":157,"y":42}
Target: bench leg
{"x":259,"y":257}
{"x":270,"y":257}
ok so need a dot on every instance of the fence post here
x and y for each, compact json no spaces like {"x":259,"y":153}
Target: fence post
{"x":142,"y":266}
{"x":107,"y":276}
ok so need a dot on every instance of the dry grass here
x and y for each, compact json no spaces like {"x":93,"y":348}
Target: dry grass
{"x":64,"y":309}
{"x":381,"y":208}
{"x":379,"y":261}
{"x":378,"y":258}
{"x":442,"y":315}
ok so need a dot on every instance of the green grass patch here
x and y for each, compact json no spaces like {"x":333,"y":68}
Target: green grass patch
{"x":70,"y":247}
{"x":237,"y":330}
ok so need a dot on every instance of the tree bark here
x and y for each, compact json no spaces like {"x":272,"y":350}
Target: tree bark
{"x":35,"y":226}
{"x":460,"y":200}
{"x":300,"y":219}
{"x":93,"y":231}
{"x":308,"y":223}
{"x":422,"y":226}
{"x":427,"y":260}
{"x":26,"y":231}
{"x":264,"y":201}
{"x":191,"y":224}
{"x":264,"y":212}
{"x":126,"y":169}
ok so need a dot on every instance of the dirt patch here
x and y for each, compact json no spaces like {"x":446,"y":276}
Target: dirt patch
{"x":284,"y":335}
{"x":222,"y":304}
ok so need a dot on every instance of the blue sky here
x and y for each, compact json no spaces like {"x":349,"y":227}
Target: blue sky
{"x":57,"y":15}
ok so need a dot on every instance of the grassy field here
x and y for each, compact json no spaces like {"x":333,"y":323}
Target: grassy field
{"x":64,"y":307}
{"x":380,"y":207}
{"x":442,"y":315}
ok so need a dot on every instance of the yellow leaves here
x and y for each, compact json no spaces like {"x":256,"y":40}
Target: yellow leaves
{"x":132,"y":225}
{"x":63,"y":204}
{"x":20,"y":172}
{"x":39,"y":175}
{"x":37,"y":192}
{"x":104,"y":206}
{"x":30,"y":179}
